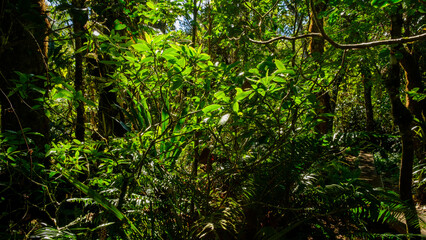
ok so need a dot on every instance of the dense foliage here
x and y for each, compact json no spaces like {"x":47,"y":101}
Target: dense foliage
{"x":174,"y":119}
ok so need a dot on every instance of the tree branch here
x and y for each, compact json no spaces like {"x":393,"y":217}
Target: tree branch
{"x":353,"y":46}
{"x":366,"y":44}
{"x":285,"y":38}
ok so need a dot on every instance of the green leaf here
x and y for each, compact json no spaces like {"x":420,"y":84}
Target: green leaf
{"x":279,"y":64}
{"x":151,"y":5}
{"x":164,"y":119}
{"x":285,"y":71}
{"x":222,"y":96}
{"x":211,"y":108}
{"x":203,"y":57}
{"x":254,"y":71}
{"x":383,"y":3}
{"x":119,"y":25}
{"x":82,"y":49}
{"x":242,"y":94}
{"x":148,"y":37}
{"x":235,"y":107}
{"x":62,"y":93}
{"x":141,"y":47}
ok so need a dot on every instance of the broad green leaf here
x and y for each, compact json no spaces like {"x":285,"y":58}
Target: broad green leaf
{"x":222,"y":96}
{"x":279,"y":64}
{"x":285,"y":71}
{"x":236,"y":107}
{"x":147,"y":59}
{"x":62,"y":93}
{"x":141,"y":47}
{"x":203,"y":57}
{"x":159,"y":38}
{"x":242,"y":94}
{"x":280,"y":80}
{"x":211,"y":108}
{"x":119,"y":25}
{"x":148,"y":37}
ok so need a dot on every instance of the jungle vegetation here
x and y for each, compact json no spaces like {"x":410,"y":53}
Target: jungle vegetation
{"x":213,"y":119}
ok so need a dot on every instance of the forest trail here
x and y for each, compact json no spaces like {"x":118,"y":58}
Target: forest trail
{"x":369,"y":174}
{"x":368,"y":170}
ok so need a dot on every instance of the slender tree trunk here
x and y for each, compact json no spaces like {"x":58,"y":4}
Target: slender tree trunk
{"x":368,"y":85}
{"x":194,"y":22}
{"x":79,"y":20}
{"x":403,"y":119}
{"x":316,"y":47}
{"x":24,"y":26}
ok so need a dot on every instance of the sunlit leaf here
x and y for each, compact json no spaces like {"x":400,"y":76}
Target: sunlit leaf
{"x":242,"y":94}
{"x":211,"y":108}
{"x":141,"y":47}
{"x":383,"y":3}
{"x":236,"y":107}
{"x":119,"y":25}
{"x":224,"y":119}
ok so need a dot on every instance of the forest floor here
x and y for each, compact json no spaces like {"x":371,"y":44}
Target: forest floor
{"x":369,"y":174}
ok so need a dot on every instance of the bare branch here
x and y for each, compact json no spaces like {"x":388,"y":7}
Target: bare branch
{"x":354,"y":46}
{"x":286,"y":38}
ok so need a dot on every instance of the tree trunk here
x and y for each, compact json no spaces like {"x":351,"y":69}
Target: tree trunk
{"x":316,"y":47}
{"x":194,"y":22}
{"x":403,"y":119}
{"x":24,"y":26}
{"x":413,"y":77}
{"x":79,"y":18}
{"x":108,"y":115}
{"x":368,"y":85}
